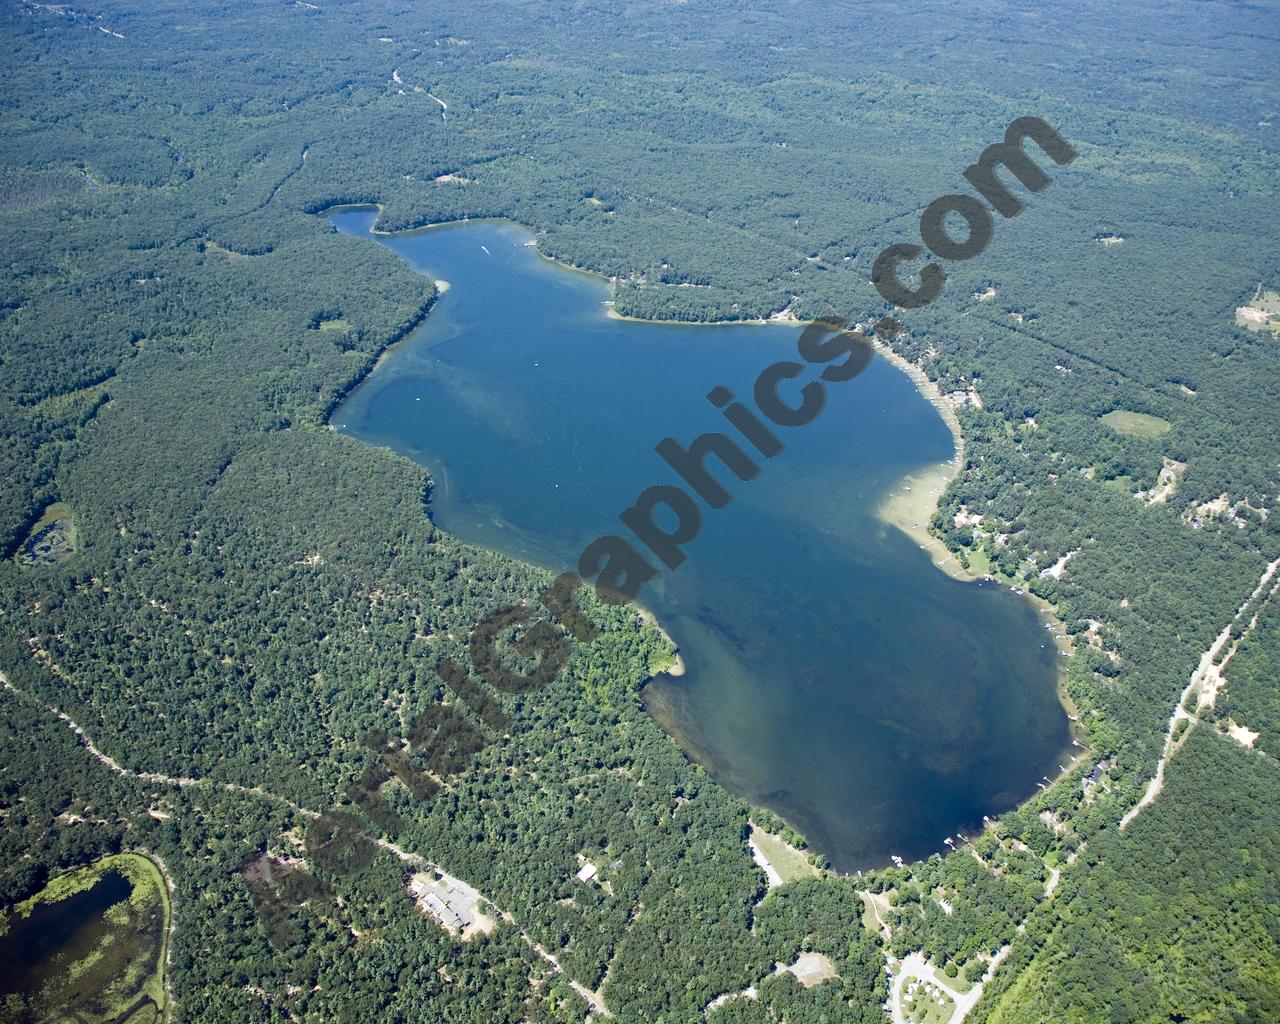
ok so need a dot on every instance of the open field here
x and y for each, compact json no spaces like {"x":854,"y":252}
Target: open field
{"x":788,"y":862}
{"x":1135,"y":424}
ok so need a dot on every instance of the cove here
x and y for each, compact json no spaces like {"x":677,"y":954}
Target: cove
{"x":834,"y":675}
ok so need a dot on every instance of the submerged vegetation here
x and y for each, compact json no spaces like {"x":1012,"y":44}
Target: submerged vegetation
{"x":251,"y":595}
{"x":89,"y":947}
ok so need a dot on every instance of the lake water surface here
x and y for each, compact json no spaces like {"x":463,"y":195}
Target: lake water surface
{"x":37,"y":947}
{"x":834,"y":674}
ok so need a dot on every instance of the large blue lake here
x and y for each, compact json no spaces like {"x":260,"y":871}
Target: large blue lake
{"x":835,"y":675}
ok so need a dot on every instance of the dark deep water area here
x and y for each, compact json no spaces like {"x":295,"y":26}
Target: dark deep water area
{"x":834,"y":675}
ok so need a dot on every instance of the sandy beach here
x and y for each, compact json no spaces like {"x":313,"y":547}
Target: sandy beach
{"x":912,"y":501}
{"x":910,"y":505}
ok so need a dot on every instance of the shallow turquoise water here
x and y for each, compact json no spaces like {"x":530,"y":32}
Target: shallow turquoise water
{"x":835,"y":675}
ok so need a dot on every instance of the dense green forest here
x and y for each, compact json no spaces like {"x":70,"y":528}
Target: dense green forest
{"x":1193,"y":933}
{"x":246,"y":599}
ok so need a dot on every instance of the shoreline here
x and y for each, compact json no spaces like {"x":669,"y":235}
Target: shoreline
{"x":789,"y":319}
{"x":911,"y":511}
{"x":389,"y":350}
{"x":678,"y":667}
{"x":915,"y":497}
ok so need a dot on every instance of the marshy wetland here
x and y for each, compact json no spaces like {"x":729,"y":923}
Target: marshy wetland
{"x":89,"y":948}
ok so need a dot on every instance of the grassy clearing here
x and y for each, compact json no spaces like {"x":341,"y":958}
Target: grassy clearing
{"x":923,"y":1007}
{"x":79,"y":403}
{"x":1124,"y":484}
{"x":789,"y":862}
{"x":230,"y":254}
{"x":1135,"y":424}
{"x":875,"y":912}
{"x":979,"y":562}
{"x":339,"y":324}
